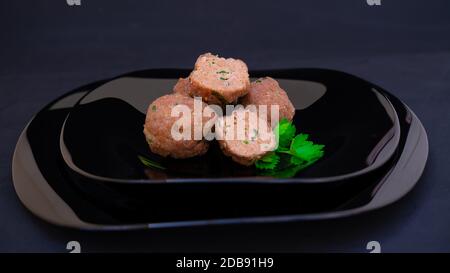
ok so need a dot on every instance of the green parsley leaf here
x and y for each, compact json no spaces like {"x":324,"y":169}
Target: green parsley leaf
{"x":284,"y":132}
{"x":288,"y":172}
{"x":304,"y":149}
{"x":297,"y":153}
{"x":268,"y":162}
{"x":296,"y":161}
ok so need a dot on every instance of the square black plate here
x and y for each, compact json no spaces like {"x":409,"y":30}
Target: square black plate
{"x":60,"y":195}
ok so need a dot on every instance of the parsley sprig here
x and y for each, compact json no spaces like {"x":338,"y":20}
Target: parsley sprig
{"x":150,"y":163}
{"x":294,"y":152}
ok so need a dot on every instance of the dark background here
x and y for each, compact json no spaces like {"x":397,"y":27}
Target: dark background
{"x":48,"y":48}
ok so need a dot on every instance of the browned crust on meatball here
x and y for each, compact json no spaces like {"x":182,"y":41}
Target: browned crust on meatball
{"x":158,"y":124}
{"x":218,"y":80}
{"x":267,"y":91}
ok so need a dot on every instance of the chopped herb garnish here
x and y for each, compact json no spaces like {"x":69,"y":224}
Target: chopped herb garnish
{"x":223,"y":72}
{"x":154,"y":108}
{"x":245,"y":141}
{"x":223,"y":79}
{"x":258,"y":81}
{"x":293,"y":153}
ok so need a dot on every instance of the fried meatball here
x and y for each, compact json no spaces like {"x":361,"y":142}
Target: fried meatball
{"x":218,"y":80}
{"x":158,"y":128}
{"x":244,"y":143}
{"x":267,"y":91}
{"x":182,"y":87}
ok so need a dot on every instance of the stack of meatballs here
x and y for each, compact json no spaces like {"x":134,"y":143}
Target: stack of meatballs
{"x":218,"y":81}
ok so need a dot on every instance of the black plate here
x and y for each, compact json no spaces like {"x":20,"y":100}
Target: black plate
{"x":58,"y":195}
{"x":102,"y":136}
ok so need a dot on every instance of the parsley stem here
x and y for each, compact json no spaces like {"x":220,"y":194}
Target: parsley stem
{"x":147,"y":162}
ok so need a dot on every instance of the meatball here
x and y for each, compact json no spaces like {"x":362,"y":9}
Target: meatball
{"x":218,"y":80}
{"x":244,"y":143}
{"x":182,"y":87}
{"x":267,"y":91}
{"x":158,"y":128}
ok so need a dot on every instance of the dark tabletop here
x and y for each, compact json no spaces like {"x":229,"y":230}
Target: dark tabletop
{"x":48,"y":48}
